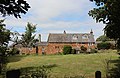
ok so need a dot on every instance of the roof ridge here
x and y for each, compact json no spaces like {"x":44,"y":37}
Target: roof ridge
{"x":69,"y":33}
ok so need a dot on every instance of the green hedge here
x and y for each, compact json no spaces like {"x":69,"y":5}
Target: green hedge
{"x":103,"y":45}
{"x":67,"y":50}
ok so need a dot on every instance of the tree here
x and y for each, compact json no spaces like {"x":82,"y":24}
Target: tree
{"x":13,"y":7}
{"x":15,"y":38}
{"x":28,"y":38}
{"x":4,"y":40}
{"x":108,"y":12}
{"x":104,"y":45}
{"x":103,"y":38}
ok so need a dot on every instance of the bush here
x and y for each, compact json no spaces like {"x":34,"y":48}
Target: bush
{"x":36,"y":72}
{"x":94,"y":51}
{"x":103,"y":45}
{"x":73,"y":51}
{"x":14,"y":51}
{"x":67,"y":50}
{"x":83,"y":48}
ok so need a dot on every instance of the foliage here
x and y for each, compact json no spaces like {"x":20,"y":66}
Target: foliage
{"x":14,"y":51}
{"x":15,"y":38}
{"x":103,"y":38}
{"x":35,"y":72}
{"x":103,"y":45}
{"x":28,"y":38}
{"x":94,"y":51}
{"x":107,"y":67}
{"x":13,"y":7}
{"x":83,"y":48}
{"x":67,"y":50}
{"x":4,"y":34}
{"x":73,"y":51}
{"x":4,"y":40}
{"x":108,"y":12}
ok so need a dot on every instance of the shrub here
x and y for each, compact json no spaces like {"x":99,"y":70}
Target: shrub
{"x":67,"y":50}
{"x":36,"y":72}
{"x":81,"y":51}
{"x":14,"y":51}
{"x":73,"y":51}
{"x":83,"y":48}
{"x":103,"y":45}
{"x":94,"y":51}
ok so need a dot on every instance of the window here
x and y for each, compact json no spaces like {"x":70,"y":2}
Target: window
{"x":56,"y":47}
{"x":75,"y":37}
{"x":85,"y":36}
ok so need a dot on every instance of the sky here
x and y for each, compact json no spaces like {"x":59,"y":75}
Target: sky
{"x":55,"y":16}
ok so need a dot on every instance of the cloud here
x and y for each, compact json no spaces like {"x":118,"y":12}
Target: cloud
{"x":71,"y":27}
{"x":46,"y":9}
{"x":55,"y":16}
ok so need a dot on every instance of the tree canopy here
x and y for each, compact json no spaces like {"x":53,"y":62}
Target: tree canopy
{"x":108,"y":12}
{"x":103,"y":38}
{"x":4,"y":39}
{"x":13,"y":7}
{"x":29,"y":37}
{"x":4,"y":35}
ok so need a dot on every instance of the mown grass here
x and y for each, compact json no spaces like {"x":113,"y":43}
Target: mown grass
{"x":65,"y":65}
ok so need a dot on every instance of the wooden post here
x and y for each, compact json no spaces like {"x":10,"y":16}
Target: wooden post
{"x":97,"y":74}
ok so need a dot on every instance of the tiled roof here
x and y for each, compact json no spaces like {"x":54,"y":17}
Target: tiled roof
{"x":42,"y":44}
{"x":74,"y":37}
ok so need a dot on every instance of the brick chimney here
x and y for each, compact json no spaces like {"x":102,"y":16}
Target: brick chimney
{"x":64,"y":32}
{"x":39,"y":37}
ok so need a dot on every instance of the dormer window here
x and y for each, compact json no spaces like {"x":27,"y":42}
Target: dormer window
{"x":85,"y":37}
{"x":75,"y":37}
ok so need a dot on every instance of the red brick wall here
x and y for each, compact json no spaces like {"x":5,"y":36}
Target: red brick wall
{"x":52,"y":48}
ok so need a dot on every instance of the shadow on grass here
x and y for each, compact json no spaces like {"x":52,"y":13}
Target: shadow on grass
{"x":37,"y":72}
{"x":15,"y":58}
{"x":31,"y":72}
{"x":115,"y":71}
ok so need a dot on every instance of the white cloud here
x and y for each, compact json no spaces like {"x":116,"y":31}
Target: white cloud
{"x":42,"y":12}
{"x":46,"y":9}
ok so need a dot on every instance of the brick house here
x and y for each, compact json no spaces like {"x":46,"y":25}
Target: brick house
{"x":56,"y":42}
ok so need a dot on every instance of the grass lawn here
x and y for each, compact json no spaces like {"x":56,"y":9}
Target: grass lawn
{"x":70,"y":65}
